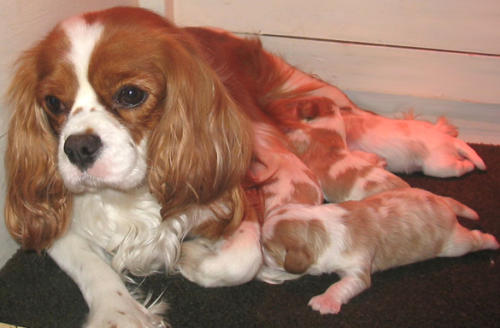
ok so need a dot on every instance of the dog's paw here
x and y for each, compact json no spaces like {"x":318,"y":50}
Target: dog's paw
{"x":325,"y":304}
{"x":125,"y":312}
{"x":227,"y":262}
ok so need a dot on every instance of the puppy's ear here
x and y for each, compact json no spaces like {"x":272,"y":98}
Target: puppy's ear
{"x":201,"y":147}
{"x":37,"y":204}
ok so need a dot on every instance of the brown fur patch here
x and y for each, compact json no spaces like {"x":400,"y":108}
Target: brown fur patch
{"x":290,"y":111}
{"x":339,"y":187}
{"x":89,"y":131}
{"x":77,"y":110}
{"x":38,"y":206}
{"x":357,"y":125}
{"x":396,"y":231}
{"x":305,"y":193}
{"x":296,"y":244}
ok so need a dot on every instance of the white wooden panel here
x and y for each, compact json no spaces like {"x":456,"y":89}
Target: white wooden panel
{"x":419,"y":73}
{"x":460,"y":25}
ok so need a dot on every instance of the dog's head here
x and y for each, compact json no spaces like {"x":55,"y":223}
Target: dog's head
{"x":117,"y":99}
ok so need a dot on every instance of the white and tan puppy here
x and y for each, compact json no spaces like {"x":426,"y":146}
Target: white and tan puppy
{"x":316,"y":133}
{"x":410,"y":145}
{"x":356,"y":238}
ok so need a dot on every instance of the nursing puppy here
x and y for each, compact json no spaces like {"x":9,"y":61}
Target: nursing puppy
{"x":421,"y":146}
{"x":316,"y":133}
{"x":282,"y":178}
{"x":356,"y":238}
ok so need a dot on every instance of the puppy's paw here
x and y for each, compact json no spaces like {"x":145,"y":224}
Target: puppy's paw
{"x":325,"y":304}
{"x":452,"y":158}
{"x":125,"y":312}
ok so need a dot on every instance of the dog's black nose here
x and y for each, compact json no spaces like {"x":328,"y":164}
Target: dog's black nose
{"x":82,"y":149}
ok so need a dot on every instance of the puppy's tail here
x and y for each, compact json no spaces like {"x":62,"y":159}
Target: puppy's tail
{"x":467,"y":152}
{"x":460,"y":209}
{"x":444,"y":126}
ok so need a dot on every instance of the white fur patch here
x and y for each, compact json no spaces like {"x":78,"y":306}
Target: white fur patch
{"x":83,"y":38}
{"x":228,"y":262}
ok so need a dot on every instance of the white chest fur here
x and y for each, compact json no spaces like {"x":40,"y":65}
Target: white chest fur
{"x":125,"y":225}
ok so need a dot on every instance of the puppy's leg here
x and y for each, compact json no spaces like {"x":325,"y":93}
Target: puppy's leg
{"x":463,"y":241}
{"x":110,"y":304}
{"x":341,"y":292}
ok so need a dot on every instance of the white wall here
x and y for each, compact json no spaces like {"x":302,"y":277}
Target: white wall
{"x":437,"y":57}
{"x":22,"y":22}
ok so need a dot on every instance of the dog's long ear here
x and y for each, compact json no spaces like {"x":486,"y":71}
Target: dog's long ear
{"x":201,"y":148}
{"x":37,"y":204}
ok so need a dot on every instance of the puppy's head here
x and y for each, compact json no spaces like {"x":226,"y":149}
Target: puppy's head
{"x":117,"y":99}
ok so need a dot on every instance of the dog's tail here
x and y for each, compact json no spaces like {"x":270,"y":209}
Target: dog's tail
{"x":460,"y":209}
{"x":467,"y":152}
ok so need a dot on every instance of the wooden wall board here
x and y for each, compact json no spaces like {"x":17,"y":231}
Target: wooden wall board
{"x":422,"y":73}
{"x":457,"y":25}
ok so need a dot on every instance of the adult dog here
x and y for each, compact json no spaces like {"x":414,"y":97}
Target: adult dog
{"x":132,"y":139}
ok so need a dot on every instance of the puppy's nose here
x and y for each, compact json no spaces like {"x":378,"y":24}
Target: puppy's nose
{"x":82,"y":149}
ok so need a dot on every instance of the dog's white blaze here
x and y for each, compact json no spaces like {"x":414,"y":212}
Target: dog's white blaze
{"x":121,"y":163}
{"x":83,"y":38}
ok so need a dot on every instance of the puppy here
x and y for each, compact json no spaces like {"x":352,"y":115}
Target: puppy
{"x":410,"y":145}
{"x":282,"y":178}
{"x":356,"y":238}
{"x":317,"y":135}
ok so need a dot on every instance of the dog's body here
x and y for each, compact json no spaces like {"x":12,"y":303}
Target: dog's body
{"x":357,"y":238}
{"x":135,"y":146}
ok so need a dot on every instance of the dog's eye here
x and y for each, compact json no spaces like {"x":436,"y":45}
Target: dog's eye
{"x":54,"y":104}
{"x":130,"y":96}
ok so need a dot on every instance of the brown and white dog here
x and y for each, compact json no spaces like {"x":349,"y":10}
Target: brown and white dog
{"x":357,"y":238}
{"x":130,"y":151}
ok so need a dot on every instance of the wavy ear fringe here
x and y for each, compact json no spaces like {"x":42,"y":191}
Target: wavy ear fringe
{"x":200,"y":150}
{"x":37,"y":205}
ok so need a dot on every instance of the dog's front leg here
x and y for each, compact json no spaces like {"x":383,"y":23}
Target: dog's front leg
{"x":231,"y":261}
{"x":110,"y":304}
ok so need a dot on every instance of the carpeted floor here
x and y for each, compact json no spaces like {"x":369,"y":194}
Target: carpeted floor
{"x":457,"y":292}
